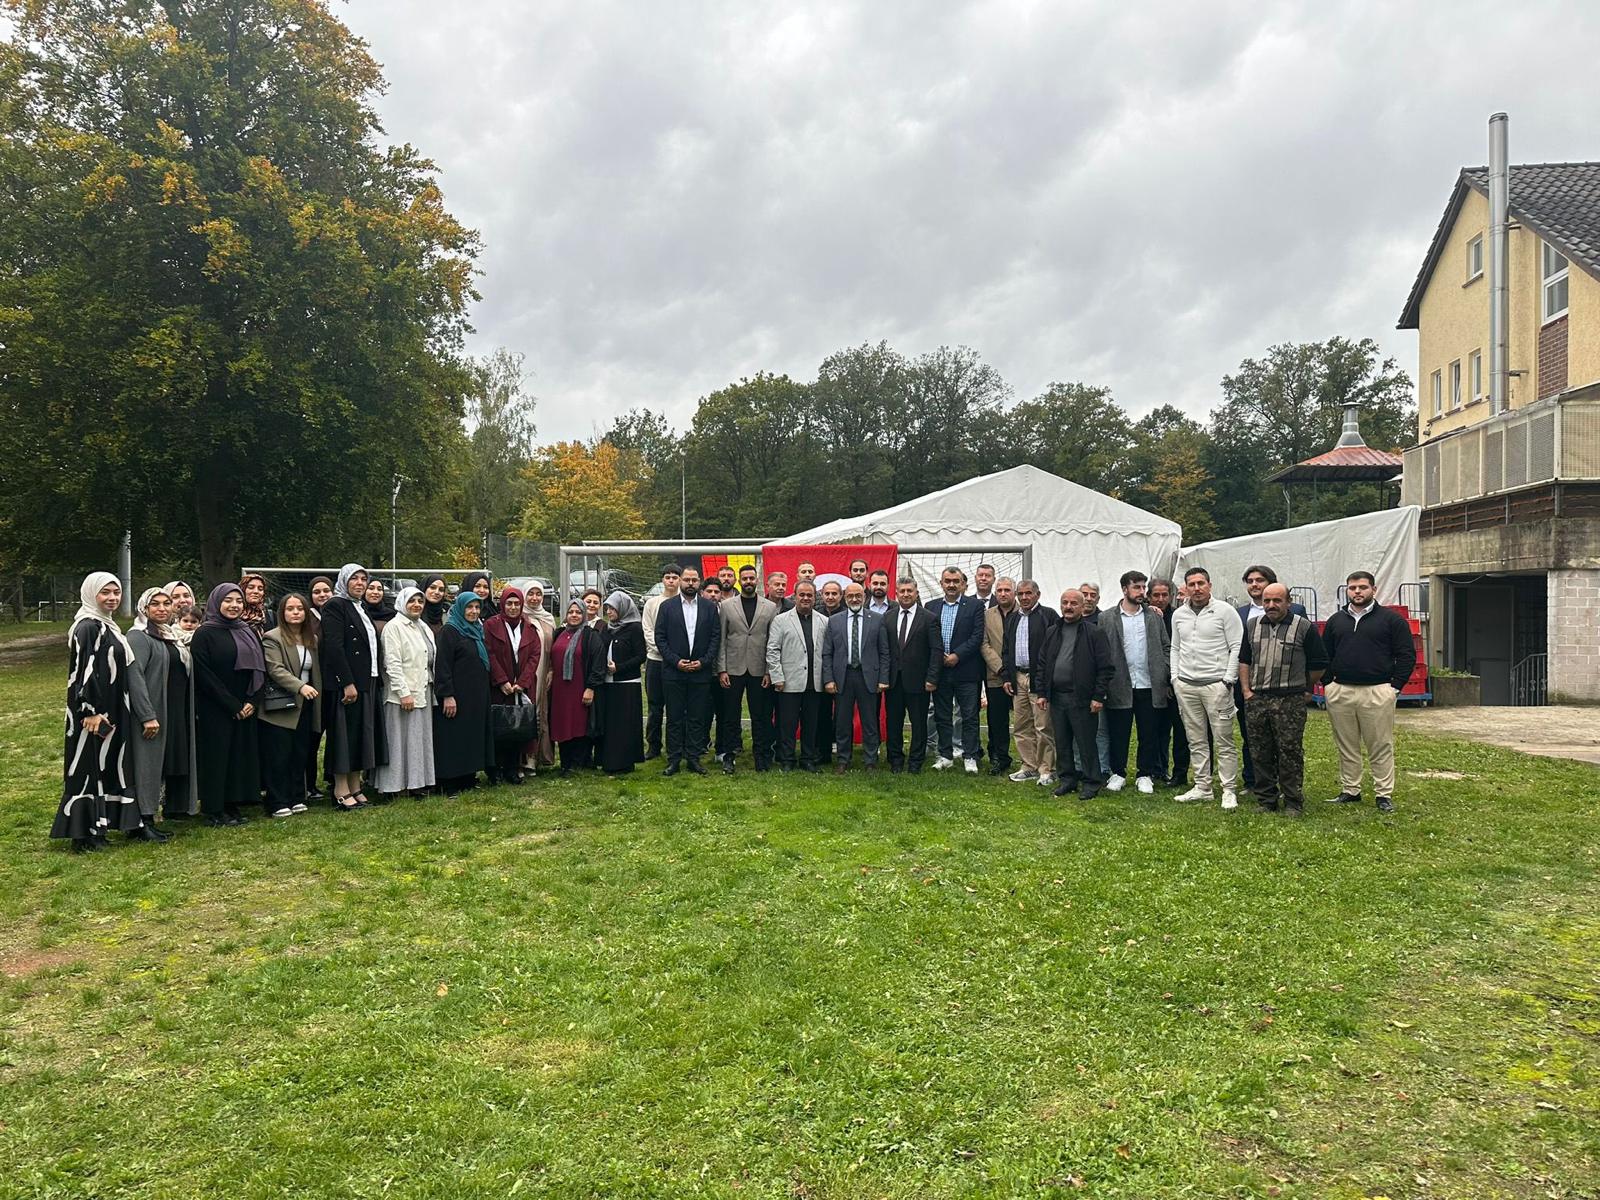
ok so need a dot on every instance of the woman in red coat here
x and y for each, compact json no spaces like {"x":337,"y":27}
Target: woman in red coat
{"x":513,"y":644}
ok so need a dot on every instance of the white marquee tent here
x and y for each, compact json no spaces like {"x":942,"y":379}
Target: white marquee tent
{"x":1318,"y":556}
{"x":1077,"y":533}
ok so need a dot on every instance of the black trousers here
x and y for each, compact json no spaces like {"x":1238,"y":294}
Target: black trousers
{"x":824,"y":743}
{"x":688,"y":721}
{"x":1121,"y":722}
{"x":898,"y":705}
{"x":855,"y":699}
{"x":1170,"y":734}
{"x":656,"y":705}
{"x":1076,"y":726}
{"x":964,"y":695}
{"x":576,"y":753}
{"x":283,"y":756}
{"x":748,"y":689}
{"x":797,"y":712}
{"x":1246,"y":768}
{"x":999,"y":727}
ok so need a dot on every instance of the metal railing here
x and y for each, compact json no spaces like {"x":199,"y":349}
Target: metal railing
{"x":1530,"y":681}
{"x":1557,"y":439}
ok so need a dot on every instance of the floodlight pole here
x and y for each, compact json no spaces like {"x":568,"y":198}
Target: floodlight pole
{"x":394,"y":525}
{"x":683,"y":494}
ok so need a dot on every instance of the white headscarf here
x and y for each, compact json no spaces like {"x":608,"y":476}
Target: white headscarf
{"x":403,"y":599}
{"x":89,"y":608}
{"x":170,"y":632}
{"x":342,"y":587}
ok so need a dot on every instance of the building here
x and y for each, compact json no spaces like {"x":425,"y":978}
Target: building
{"x":1509,"y":479}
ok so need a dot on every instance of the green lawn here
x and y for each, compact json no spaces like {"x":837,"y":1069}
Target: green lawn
{"x":774,"y":986}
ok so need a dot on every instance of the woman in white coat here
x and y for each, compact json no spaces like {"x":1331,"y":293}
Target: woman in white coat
{"x":408,"y":656}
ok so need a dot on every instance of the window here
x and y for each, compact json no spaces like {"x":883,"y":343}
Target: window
{"x":1554,"y":275}
{"x":1475,"y":258}
{"x":1438,"y":393}
{"x":1455,"y":385}
{"x":1475,"y":376}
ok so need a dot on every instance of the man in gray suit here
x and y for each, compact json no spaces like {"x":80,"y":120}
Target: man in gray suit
{"x":855,"y":669}
{"x":794,"y":664}
{"x":1140,"y":654}
{"x":742,"y":670}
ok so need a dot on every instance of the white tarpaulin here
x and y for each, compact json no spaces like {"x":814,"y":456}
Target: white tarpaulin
{"x":1077,"y":534}
{"x":1318,"y":556}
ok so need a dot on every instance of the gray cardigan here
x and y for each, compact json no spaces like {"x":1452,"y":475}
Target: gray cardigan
{"x":1119,"y":692}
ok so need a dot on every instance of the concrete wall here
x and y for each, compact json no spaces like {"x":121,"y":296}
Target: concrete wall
{"x":1569,"y":542}
{"x":1573,"y":640}
{"x":1453,"y":321}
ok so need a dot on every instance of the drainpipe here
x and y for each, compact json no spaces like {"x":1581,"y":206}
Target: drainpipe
{"x":1499,"y":266}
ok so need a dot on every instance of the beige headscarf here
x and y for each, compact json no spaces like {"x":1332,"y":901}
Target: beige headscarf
{"x":89,"y":608}
{"x":170,"y":632}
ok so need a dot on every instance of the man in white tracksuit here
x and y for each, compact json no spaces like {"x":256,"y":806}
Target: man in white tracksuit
{"x":1206,"y":636}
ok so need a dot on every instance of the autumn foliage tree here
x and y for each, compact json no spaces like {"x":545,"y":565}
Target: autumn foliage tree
{"x":229,"y":311}
{"x":581,"y":490}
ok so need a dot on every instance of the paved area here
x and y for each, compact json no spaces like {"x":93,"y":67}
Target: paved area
{"x":1556,"y":731}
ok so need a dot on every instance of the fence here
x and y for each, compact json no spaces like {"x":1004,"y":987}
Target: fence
{"x":39,"y":598}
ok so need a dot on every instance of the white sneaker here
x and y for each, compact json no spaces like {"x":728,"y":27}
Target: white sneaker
{"x":1116,"y":783}
{"x":298,"y":808}
{"x":282,"y":812}
{"x":942,"y":763}
{"x":972,"y":766}
{"x":1022,"y":775}
{"x":1047,"y":780}
{"x":1194,"y":793}
{"x":1229,"y":801}
{"x":1145,"y":785}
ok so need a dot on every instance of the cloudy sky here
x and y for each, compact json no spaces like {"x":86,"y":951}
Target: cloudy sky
{"x":672,"y":196}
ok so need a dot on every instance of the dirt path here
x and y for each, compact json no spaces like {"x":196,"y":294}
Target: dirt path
{"x":1556,"y":731}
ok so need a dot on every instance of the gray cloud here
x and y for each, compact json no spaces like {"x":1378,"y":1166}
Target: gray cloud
{"x":672,"y":196}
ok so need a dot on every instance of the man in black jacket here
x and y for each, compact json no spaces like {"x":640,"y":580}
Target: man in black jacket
{"x":1070,"y":677}
{"x":1370,"y":657}
{"x":1024,"y":634}
{"x":913,"y":674}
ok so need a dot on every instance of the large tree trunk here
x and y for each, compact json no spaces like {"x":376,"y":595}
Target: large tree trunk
{"x":219,"y":543}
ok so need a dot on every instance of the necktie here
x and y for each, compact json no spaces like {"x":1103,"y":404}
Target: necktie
{"x":905,"y":626}
{"x":855,"y":639}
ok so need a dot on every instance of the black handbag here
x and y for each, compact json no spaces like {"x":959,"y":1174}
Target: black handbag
{"x":276,"y":699}
{"x":515,"y":722}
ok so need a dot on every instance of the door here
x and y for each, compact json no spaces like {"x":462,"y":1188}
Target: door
{"x":1487,"y":629}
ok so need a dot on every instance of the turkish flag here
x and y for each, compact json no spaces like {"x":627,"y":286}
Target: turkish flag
{"x":831,"y":562}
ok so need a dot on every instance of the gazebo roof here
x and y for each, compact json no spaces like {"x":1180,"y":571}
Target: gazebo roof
{"x":1351,"y":461}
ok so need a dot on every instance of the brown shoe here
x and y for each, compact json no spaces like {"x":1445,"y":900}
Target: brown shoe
{"x":838,"y":768}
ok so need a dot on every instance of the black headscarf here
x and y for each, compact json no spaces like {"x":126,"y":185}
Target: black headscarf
{"x":434,"y":611}
{"x":382,"y":611}
{"x":488,"y":608}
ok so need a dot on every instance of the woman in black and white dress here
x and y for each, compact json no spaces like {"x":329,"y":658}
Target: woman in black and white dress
{"x":97,"y":793}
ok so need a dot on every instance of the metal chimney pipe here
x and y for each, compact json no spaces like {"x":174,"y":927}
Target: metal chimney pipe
{"x":1499,"y":265}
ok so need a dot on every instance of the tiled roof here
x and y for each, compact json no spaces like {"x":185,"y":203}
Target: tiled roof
{"x":1342,"y":463}
{"x":1558,"y":201}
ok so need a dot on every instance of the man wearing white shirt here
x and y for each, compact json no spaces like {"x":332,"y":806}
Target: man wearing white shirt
{"x":654,"y":695}
{"x":1206,"y":636}
{"x":1137,"y":636}
{"x":1023,"y":638}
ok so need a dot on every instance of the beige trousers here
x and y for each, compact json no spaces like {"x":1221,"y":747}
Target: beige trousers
{"x":1362,"y":714}
{"x":1034,"y":730}
{"x":1207,"y":712}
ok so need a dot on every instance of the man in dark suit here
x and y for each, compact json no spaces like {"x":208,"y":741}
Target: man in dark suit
{"x":958,"y":635}
{"x":913,"y":674}
{"x":1024,"y":632}
{"x":689,"y":633}
{"x":1256,"y":579}
{"x":855,"y":668}
{"x":983,"y":581}
{"x":1070,"y":677}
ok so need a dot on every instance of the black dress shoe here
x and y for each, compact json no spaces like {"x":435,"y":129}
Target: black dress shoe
{"x":161,"y":834}
{"x":1385,"y":804}
{"x":1295,"y":810}
{"x":83,"y":845}
{"x":649,"y":754}
{"x":1267,"y":805}
{"x":1065,"y":788}
{"x":1345,"y":798}
{"x":1000,"y":768}
{"x":696,"y":768}
{"x":313,"y":794}
{"x":215,"y":821}
{"x":838,"y":768}
{"x":143,"y":834}
{"x":672,"y":769}
{"x":727,"y":766}
{"x":896,"y":768}
{"x":809,"y":768}
{"x":1090,"y":792}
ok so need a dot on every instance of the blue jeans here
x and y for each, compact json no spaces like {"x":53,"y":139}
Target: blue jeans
{"x":965,"y":697}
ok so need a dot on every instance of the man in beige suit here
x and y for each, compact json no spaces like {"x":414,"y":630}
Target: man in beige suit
{"x":742,"y":671}
{"x":996,"y":699}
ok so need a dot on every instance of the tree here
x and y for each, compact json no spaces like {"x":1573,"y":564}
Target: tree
{"x":500,"y":424}
{"x":1167,"y":471}
{"x":749,"y":453}
{"x":858,"y":397}
{"x":1076,"y":431}
{"x":1289,"y":405}
{"x":235,"y":316}
{"x":580,"y":491}
{"x":943,"y":431}
{"x":651,"y":455}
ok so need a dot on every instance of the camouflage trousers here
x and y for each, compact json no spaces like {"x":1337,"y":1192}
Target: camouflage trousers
{"x":1277,"y":727}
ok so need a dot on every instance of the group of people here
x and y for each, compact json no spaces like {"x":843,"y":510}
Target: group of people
{"x":208,"y":710}
{"x":819,"y":668}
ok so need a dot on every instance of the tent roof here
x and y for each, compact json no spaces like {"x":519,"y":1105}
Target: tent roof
{"x":1023,"y":498}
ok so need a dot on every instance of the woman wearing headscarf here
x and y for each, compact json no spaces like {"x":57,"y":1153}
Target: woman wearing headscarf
{"x":96,"y":792}
{"x":378,"y":609}
{"x":158,"y":690}
{"x":544,"y":622}
{"x":350,"y":674}
{"x":408,"y":656}
{"x":461,"y":744}
{"x":614,"y":677}
{"x":572,"y":718}
{"x":435,"y":607}
{"x":293,"y":712}
{"x":477,"y":583}
{"x":256,"y":613}
{"x":513,"y":643}
{"x":181,"y":770}
{"x":182,"y":598}
{"x":321,"y":591}
{"x":230,"y":673}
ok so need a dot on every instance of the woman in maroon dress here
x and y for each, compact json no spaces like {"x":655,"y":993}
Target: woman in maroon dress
{"x":571,"y":699}
{"x":513,"y":643}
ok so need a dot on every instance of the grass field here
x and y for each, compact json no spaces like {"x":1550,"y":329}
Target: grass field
{"x":780,"y":987}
